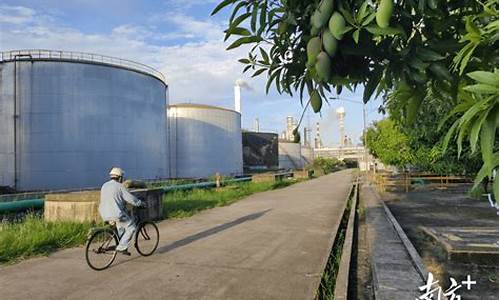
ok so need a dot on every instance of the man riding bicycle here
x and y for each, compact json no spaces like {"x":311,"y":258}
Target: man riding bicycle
{"x":114,"y":197}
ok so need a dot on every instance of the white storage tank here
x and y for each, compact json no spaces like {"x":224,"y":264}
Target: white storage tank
{"x":66,"y":118}
{"x":204,"y":140}
{"x":289,"y":154}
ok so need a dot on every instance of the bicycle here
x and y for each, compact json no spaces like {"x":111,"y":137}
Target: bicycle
{"x":100,"y":250}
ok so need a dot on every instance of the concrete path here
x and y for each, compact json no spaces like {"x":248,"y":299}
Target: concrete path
{"x":395,"y":273}
{"x":272,"y":245}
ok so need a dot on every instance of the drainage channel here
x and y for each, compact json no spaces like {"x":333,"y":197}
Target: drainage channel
{"x":335,"y":280}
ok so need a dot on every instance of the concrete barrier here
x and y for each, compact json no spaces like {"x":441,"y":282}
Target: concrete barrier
{"x":83,"y":206}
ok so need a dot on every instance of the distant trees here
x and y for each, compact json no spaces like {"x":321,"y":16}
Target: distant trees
{"x":327,"y":164}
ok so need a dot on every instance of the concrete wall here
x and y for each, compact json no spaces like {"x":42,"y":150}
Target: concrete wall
{"x":76,"y":121}
{"x":204,"y":140}
{"x":307,"y":154}
{"x":290,"y":155}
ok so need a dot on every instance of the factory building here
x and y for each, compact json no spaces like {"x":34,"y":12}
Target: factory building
{"x":66,"y":118}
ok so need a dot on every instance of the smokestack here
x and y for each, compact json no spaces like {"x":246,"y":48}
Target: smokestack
{"x":240,"y":83}
{"x":317,"y":140}
{"x":237,"y":97}
{"x":257,"y":125}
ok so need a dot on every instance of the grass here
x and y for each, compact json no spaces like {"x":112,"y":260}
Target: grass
{"x":182,"y":204}
{"x":34,"y":237}
{"x":329,"y":279}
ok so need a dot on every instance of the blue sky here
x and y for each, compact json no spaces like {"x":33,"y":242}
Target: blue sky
{"x":177,"y":37}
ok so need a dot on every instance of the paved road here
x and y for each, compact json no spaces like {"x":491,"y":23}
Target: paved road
{"x":272,"y":245}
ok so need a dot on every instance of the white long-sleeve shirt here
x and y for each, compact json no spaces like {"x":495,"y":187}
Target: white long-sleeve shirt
{"x":114,"y":197}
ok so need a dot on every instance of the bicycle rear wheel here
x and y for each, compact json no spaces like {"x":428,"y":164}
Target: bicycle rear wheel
{"x":146,"y":238}
{"x":100,"y":251}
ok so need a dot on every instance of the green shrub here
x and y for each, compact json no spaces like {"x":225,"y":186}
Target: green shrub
{"x":327,"y":164}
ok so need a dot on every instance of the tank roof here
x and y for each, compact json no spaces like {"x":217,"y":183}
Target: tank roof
{"x":73,"y":56}
{"x":203,"y":106}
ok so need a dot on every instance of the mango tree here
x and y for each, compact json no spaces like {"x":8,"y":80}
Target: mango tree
{"x":410,"y":52}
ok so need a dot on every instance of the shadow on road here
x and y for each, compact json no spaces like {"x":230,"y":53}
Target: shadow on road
{"x":209,"y":232}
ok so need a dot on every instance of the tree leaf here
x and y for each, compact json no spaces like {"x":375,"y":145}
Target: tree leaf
{"x":258,"y":72}
{"x":239,"y":19}
{"x":221,"y":6}
{"x":362,"y":12}
{"x":264,"y":55}
{"x":263,"y":15}
{"x":413,"y":107}
{"x":489,"y":78}
{"x":236,"y":9}
{"x":236,"y":31}
{"x":384,"y":31}
{"x":244,"y":40}
{"x":481,"y":88}
{"x":440,"y":71}
{"x":244,"y":60}
{"x":253,"y":20}
{"x":428,"y":55}
{"x":487,"y":137}
{"x":371,"y":85}
{"x":474,"y":132}
{"x":355,"y":36}
{"x":369,"y":19}
{"x":449,"y":135}
{"x":270,"y":80}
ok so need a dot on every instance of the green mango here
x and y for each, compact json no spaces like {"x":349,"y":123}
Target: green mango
{"x":313,"y":49}
{"x":323,"y":66}
{"x":322,"y":13}
{"x":329,"y":43}
{"x":316,"y":101}
{"x":384,"y":13}
{"x":337,"y":25}
{"x":314,"y":30}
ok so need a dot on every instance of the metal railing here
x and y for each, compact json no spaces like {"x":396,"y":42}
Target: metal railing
{"x":40,"y":54}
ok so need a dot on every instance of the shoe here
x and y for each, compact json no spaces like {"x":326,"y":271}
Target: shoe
{"x":124,"y":252}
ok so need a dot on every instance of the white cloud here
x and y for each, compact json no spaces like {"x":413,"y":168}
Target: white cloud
{"x":197,"y":67}
{"x":201,"y":71}
{"x":16,"y":14}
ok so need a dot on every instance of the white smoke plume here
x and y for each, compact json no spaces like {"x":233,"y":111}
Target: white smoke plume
{"x":243,"y":84}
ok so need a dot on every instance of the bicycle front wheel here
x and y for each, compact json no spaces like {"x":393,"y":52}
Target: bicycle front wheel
{"x":147,"y":238}
{"x":100,"y":251}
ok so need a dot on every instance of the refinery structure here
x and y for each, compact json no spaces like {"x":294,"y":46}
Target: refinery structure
{"x":65,"y":120}
{"x":345,"y":148}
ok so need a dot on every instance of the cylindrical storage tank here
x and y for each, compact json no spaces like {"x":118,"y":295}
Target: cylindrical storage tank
{"x":66,"y":118}
{"x":290,"y":155}
{"x":204,"y":140}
